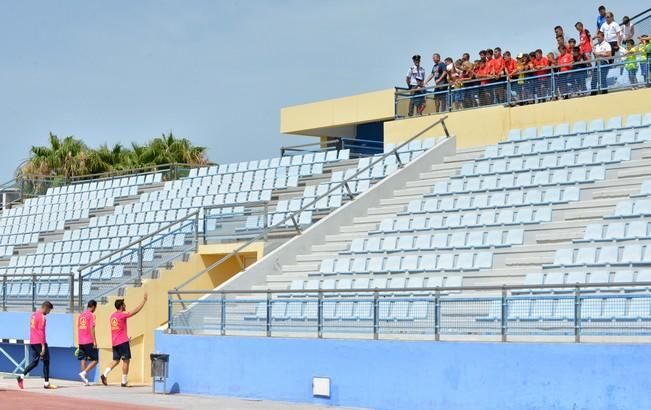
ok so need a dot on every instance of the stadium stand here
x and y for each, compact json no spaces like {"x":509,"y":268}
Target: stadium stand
{"x":116,"y":213}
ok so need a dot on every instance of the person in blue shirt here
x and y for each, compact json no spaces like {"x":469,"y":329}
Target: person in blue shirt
{"x":601,"y":18}
{"x":440,"y":76}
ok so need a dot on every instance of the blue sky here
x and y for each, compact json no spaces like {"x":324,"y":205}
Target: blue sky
{"x":218,"y":72}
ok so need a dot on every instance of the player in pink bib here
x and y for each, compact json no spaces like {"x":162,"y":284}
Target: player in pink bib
{"x":87,"y":352}
{"x":38,"y":345}
{"x":120,"y":339}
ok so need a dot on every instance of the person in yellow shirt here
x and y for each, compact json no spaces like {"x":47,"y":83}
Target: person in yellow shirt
{"x":630,"y":57}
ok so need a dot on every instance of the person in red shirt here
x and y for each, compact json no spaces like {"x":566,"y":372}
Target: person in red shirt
{"x":497,"y":71}
{"x":564,"y":62}
{"x":510,"y":66}
{"x":483,"y":74}
{"x":541,"y":76}
{"x":585,"y":42}
{"x":120,"y":339}
{"x":88,"y":354}
{"x":38,"y":345}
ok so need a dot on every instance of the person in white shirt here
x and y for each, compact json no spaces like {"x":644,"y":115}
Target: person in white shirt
{"x":415,"y":81}
{"x":628,"y":29}
{"x":602,"y":51}
{"x":612,"y":32}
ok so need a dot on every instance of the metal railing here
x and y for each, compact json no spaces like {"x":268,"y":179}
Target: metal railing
{"x":563,"y":310}
{"x":358,"y":147}
{"x":528,"y":87}
{"x":28,"y":290}
{"x":294,"y":216}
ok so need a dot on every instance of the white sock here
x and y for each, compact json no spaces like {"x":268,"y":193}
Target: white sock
{"x":46,"y":384}
{"x":83,"y":373}
{"x":107,"y":371}
{"x":124,"y":379}
{"x":22,"y":377}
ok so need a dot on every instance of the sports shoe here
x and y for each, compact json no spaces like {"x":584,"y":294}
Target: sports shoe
{"x":51,"y":386}
{"x":83,"y":378}
{"x":20,"y":382}
{"x":104,"y":382}
{"x":124,"y":385}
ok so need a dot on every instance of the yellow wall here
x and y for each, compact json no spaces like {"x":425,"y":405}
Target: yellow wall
{"x":489,"y":125}
{"x":337,"y":114}
{"x":154,"y":314}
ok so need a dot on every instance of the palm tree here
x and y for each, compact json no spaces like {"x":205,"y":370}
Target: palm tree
{"x":70,"y":157}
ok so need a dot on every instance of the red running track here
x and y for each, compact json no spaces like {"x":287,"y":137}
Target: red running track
{"x":23,"y":400}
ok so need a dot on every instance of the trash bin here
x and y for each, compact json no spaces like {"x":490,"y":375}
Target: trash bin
{"x":159,"y":370}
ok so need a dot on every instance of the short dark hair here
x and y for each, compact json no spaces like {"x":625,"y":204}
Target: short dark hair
{"x":630,"y":41}
{"x":538,"y":51}
{"x":47,"y":304}
{"x":498,"y":49}
{"x":119,"y":303}
{"x":602,"y":8}
{"x":572,"y":40}
{"x":91,"y":303}
{"x":489,"y":51}
{"x":507,"y":53}
{"x":557,"y":27}
{"x":577,"y":49}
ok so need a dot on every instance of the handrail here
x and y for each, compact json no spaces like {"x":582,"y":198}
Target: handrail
{"x":639,"y":14}
{"x":332,"y":142}
{"x":418,"y":290}
{"x":292,"y":216}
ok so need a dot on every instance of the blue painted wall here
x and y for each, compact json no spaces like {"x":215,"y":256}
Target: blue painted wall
{"x":15,"y":325}
{"x":414,"y":375}
{"x":60,"y":339}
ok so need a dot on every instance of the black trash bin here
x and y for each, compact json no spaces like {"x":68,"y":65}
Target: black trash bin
{"x":159,"y":370}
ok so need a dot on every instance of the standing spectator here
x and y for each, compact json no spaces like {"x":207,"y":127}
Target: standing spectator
{"x":612,"y":33}
{"x":415,"y":78}
{"x":466,"y":76}
{"x":510,"y":68}
{"x":585,"y":42}
{"x":466,"y":58}
{"x":571,"y":43}
{"x":564,"y":62}
{"x":602,"y":51}
{"x":521,"y":68}
{"x":541,"y":65}
{"x":580,"y":71}
{"x":440,"y":76}
{"x":601,"y":18}
{"x":644,"y":49}
{"x":482,"y":73}
{"x":628,"y":29}
{"x":558,"y":31}
{"x":630,"y":55}
{"x":497,"y":71}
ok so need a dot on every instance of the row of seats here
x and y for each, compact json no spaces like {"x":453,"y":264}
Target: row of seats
{"x":437,"y":241}
{"x":99,"y":185}
{"x":256,"y":222}
{"x":559,"y":144}
{"x":564,"y":176}
{"x":617,"y":231}
{"x":603,"y":256}
{"x":229,"y":183}
{"x":364,"y":283}
{"x":632,"y":208}
{"x":42,"y":212}
{"x":579,"y":127}
{"x":582,"y":277}
{"x":546,"y":196}
{"x":49,"y":289}
{"x":264,"y":164}
{"x":593,"y":308}
{"x":546,"y":161}
{"x":472,"y":219}
{"x":406,"y":264}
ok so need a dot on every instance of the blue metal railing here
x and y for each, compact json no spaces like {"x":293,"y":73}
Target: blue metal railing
{"x":601,"y":76}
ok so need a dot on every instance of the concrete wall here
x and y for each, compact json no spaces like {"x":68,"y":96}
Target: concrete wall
{"x":413,"y":375}
{"x":285,"y":254}
{"x":490,"y":125}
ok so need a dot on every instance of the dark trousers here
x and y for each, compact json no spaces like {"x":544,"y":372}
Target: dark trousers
{"x":36,"y":353}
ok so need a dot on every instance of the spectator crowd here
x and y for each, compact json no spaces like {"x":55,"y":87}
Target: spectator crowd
{"x":577,"y":67}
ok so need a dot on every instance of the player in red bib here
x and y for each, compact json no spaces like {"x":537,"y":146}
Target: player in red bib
{"x":87,"y":354}
{"x":120,"y":339}
{"x":38,"y":345}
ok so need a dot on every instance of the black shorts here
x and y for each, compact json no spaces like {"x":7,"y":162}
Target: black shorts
{"x":122,"y":352}
{"x":88,"y":352}
{"x":36,"y":351}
